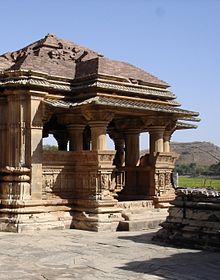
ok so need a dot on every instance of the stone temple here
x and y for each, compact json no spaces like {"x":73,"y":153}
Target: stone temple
{"x":56,"y":87}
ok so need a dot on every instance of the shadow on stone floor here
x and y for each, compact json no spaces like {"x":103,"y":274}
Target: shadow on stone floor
{"x":195,"y":265}
{"x":146,"y":238}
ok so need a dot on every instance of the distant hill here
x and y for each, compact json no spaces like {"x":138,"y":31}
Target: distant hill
{"x":202,"y":153}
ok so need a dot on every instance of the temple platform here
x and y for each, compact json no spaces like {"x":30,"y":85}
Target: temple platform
{"x":141,"y":215}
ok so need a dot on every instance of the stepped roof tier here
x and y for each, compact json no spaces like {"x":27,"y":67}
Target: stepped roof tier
{"x":76,"y":75}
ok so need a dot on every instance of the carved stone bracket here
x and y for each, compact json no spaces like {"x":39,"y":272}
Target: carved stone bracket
{"x":97,"y":115}
{"x":72,"y":118}
{"x":136,"y":124}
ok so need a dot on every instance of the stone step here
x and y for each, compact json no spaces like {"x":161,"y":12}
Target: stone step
{"x":137,"y":225}
{"x":146,"y":212}
{"x":139,"y":219}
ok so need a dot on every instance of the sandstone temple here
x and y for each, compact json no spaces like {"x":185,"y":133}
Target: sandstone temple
{"x":56,"y":87}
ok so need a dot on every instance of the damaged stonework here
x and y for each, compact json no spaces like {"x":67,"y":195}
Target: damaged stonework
{"x":194,"y":219}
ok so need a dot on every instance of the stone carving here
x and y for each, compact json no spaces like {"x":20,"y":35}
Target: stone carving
{"x":106,"y":157}
{"x":74,"y":54}
{"x":167,"y":179}
{"x":107,"y":185}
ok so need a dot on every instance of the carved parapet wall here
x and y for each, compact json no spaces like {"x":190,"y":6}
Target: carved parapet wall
{"x":194,"y":221}
{"x":85,"y":175}
{"x":69,"y":174}
{"x":87,"y":181}
{"x":161,"y":174}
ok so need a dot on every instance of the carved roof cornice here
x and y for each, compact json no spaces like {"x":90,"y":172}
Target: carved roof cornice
{"x":126,"y":104}
{"x":29,"y":78}
{"x":33,"y":79}
{"x":183,"y":125}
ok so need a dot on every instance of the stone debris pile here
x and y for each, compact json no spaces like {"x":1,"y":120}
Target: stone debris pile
{"x":194,"y":219}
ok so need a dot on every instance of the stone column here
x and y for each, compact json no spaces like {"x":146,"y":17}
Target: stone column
{"x":132,"y":152}
{"x":166,"y":140}
{"x":98,"y":121}
{"x":23,"y":162}
{"x":75,"y":124}
{"x":119,"y":143}
{"x":3,"y":131}
{"x":62,"y":139}
{"x":120,"y":152}
{"x":76,"y":136}
{"x":86,"y":138}
{"x":98,"y":135}
{"x":156,"y":140}
{"x":34,"y":142}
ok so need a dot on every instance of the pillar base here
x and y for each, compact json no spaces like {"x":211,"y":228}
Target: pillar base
{"x":163,"y":202}
{"x":31,"y":216}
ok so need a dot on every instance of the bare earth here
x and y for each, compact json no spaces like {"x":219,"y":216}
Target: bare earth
{"x":74,"y":254}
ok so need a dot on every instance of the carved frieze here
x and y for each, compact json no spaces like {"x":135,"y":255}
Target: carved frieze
{"x":163,"y":185}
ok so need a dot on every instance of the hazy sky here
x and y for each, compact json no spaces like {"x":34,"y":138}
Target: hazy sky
{"x":176,"y":40}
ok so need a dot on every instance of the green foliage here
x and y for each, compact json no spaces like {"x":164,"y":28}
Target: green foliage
{"x":190,"y":169}
{"x":50,"y":148}
{"x":194,"y":170}
{"x":214,"y":169}
{"x":199,"y":182}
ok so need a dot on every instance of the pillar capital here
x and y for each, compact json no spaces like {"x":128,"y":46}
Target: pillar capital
{"x":156,"y":129}
{"x":75,"y":126}
{"x":94,"y":115}
{"x":72,"y":119}
{"x":167,"y":135}
{"x":166,"y":139}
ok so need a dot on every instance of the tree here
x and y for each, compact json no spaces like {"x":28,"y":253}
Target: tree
{"x":50,"y":148}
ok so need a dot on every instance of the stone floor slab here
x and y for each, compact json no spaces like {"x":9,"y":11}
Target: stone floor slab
{"x":74,"y":254}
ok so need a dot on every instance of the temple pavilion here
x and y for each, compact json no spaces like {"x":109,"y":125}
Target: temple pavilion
{"x":56,"y":87}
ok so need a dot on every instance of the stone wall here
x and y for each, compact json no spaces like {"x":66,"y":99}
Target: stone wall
{"x":194,"y":219}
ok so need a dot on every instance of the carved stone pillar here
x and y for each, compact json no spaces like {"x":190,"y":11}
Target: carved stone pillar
{"x":98,"y":135}
{"x":98,"y":121}
{"x":166,"y":140}
{"x":76,"y":136}
{"x":156,"y":139}
{"x":3,"y":131}
{"x":22,"y":169}
{"x":132,"y":151}
{"x":119,"y":143}
{"x":75,"y":123}
{"x":62,"y":140}
{"x":34,"y":137}
{"x":87,"y":138}
{"x":120,"y":152}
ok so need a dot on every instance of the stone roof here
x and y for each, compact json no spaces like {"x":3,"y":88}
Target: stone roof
{"x":58,"y":57}
{"x":124,"y":103}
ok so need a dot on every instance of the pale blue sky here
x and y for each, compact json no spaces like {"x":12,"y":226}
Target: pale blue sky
{"x":176,"y":40}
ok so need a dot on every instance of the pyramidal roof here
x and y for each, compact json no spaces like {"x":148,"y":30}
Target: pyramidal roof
{"x":58,"y":57}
